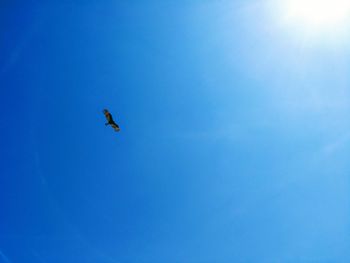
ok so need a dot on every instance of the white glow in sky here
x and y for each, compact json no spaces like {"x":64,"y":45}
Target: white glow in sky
{"x":318,"y":14}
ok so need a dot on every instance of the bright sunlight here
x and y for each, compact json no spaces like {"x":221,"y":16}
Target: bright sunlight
{"x":318,"y":15}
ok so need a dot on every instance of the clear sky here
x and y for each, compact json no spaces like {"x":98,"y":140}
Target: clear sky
{"x":234,"y":142}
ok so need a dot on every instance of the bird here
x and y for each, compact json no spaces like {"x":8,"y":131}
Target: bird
{"x":110,"y":120}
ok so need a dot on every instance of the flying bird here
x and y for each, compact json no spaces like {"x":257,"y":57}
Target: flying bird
{"x":110,"y":120}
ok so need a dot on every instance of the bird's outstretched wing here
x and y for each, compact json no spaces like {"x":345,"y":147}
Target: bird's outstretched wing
{"x":115,"y":126}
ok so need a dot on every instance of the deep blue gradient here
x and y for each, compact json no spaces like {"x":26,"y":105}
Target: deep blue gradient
{"x":234,"y":142}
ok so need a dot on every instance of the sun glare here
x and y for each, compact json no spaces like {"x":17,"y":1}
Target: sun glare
{"x":318,"y":14}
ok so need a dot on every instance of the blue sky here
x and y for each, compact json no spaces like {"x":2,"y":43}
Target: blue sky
{"x":234,"y":137}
